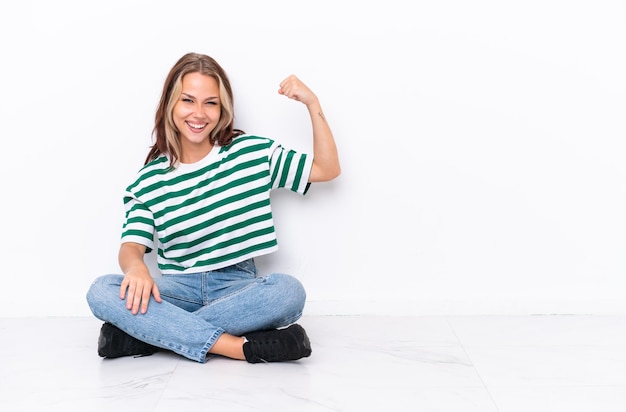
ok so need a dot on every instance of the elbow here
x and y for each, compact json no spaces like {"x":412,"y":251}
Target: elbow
{"x":325,"y":174}
{"x":333,"y":174}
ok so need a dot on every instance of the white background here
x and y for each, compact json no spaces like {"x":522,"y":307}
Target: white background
{"x":482,"y":145}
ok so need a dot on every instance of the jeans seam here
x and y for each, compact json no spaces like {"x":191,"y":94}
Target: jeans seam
{"x":235,"y":293}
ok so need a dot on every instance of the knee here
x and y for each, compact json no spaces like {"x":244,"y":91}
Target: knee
{"x":293,"y":294}
{"x":101,"y":290}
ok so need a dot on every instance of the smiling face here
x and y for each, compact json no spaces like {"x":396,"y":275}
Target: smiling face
{"x":195,"y":114}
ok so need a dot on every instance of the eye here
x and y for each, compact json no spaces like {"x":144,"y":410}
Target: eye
{"x":212,"y":103}
{"x":186,"y":100}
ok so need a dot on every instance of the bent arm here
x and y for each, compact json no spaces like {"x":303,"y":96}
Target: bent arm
{"x":325,"y":156}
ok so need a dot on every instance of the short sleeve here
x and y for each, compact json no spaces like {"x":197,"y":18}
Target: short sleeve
{"x":139,"y":223}
{"x":290,"y":169}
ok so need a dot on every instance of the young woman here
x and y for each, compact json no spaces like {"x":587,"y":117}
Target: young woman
{"x":202,"y":201}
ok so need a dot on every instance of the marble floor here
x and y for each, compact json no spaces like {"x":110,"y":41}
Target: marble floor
{"x":359,"y":363}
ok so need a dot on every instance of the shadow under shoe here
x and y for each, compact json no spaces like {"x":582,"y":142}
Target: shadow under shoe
{"x":277,"y":345}
{"x":114,"y":343}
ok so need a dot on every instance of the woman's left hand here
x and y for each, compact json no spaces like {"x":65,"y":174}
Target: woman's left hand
{"x":295,"y":89}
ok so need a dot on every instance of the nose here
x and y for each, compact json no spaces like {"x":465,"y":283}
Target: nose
{"x":199,"y":110}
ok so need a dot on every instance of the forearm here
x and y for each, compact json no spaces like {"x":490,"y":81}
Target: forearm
{"x":131,"y":257}
{"x":325,"y":156}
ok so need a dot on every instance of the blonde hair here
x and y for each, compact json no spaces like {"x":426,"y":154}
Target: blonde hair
{"x":165,"y":133}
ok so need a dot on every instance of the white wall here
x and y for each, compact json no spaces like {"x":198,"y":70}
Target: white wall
{"x":482,"y":145}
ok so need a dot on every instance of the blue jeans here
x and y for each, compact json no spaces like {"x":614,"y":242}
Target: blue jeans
{"x":197,"y":308}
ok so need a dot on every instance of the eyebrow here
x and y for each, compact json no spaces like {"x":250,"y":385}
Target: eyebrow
{"x":194,"y":97}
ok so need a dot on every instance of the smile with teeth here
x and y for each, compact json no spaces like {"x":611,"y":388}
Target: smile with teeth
{"x":197,"y":126}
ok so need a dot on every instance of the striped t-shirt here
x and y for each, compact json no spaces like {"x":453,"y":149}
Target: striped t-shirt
{"x":216,"y":212}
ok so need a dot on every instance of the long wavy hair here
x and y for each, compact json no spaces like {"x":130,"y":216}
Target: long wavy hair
{"x":165,"y":133}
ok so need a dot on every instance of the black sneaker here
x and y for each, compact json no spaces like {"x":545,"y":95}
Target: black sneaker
{"x":277,"y":345}
{"x":114,"y":343}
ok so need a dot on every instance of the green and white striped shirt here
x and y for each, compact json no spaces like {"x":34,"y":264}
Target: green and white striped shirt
{"x":216,"y":212}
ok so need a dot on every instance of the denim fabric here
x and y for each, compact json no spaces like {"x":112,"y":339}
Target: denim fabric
{"x":198,"y":308}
